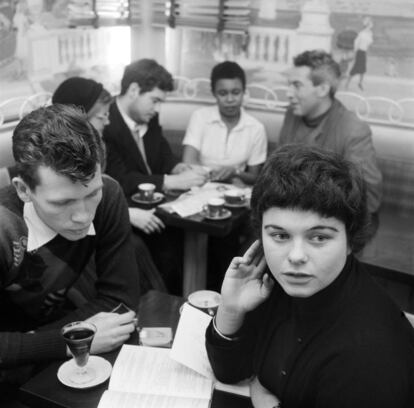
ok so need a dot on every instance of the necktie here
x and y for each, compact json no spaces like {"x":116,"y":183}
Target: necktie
{"x":140,"y":143}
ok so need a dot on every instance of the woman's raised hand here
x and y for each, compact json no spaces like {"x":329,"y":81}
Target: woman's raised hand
{"x":245,"y":284}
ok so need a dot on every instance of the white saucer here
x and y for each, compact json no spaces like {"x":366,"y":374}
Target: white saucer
{"x":225,"y":214}
{"x":157,"y":198}
{"x":238,"y":205}
{"x":101,"y":367}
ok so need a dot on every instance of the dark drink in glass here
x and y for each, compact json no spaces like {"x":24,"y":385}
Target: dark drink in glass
{"x":78,"y":337}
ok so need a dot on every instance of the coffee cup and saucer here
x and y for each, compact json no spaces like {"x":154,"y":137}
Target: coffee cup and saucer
{"x":215,"y":210}
{"x":234,"y":198}
{"x":147,"y":194}
{"x":205,"y":300}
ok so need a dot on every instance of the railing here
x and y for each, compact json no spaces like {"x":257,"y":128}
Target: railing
{"x":264,"y":47}
{"x":61,"y":50}
{"x":56,"y":51}
{"x":198,"y":89}
{"x":374,"y":109}
{"x":270,"y":46}
{"x":14,"y":109}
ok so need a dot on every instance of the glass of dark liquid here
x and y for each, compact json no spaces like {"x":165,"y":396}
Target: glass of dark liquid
{"x":78,"y":337}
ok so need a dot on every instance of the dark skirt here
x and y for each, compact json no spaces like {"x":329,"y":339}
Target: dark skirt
{"x":360,"y":64}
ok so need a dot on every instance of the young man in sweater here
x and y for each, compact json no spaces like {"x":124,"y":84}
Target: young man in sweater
{"x":59,"y":215}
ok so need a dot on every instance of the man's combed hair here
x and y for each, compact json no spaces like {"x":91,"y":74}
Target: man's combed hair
{"x":148,"y":74}
{"x":227,"y":70}
{"x":323,"y":68}
{"x":59,"y":137}
{"x":311,"y":179}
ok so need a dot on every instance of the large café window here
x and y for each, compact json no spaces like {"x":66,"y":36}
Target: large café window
{"x":42,"y":42}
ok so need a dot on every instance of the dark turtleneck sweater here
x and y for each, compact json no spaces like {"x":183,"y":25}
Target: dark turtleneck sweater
{"x":346,"y":346}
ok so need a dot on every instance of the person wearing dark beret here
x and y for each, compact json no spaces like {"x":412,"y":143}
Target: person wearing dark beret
{"x":87,"y":94}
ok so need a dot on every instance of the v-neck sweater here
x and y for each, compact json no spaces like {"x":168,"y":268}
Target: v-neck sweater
{"x":34,"y":285}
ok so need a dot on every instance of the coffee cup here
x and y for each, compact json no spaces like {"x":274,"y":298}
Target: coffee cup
{"x":205,"y":300}
{"x":214,"y":207}
{"x":146,"y":191}
{"x":234,"y":197}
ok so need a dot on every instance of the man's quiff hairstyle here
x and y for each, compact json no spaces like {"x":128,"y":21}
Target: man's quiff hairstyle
{"x":311,"y":179}
{"x":60,"y":137}
{"x":323,"y":68}
{"x":227,"y":70}
{"x":148,"y":74}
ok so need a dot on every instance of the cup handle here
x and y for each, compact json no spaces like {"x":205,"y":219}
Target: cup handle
{"x":205,"y":208}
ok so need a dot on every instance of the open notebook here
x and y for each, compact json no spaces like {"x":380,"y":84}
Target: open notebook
{"x":145,"y":377}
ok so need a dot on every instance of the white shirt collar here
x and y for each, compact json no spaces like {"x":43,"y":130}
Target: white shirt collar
{"x":38,"y":233}
{"x":215,"y":117}
{"x":132,"y":125}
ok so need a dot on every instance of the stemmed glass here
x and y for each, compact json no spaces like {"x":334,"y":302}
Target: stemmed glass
{"x":78,"y":337}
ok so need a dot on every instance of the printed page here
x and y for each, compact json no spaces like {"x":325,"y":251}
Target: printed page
{"x":150,"y":370}
{"x":111,"y":399}
{"x":189,"y":348}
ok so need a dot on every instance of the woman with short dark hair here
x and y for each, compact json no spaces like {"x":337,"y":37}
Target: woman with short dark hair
{"x":299,"y":314}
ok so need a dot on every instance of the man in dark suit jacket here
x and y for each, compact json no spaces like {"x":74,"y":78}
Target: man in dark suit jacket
{"x":137,"y":150}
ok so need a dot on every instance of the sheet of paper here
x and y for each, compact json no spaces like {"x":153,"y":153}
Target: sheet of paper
{"x":151,"y":370}
{"x":189,"y":348}
{"x":111,"y":399}
{"x":192,"y":202}
{"x":189,"y":341}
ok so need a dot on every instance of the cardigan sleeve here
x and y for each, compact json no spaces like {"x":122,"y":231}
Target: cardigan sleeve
{"x":21,"y":348}
{"x":225,"y":355}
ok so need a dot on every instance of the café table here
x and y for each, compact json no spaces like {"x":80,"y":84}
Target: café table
{"x":197,"y":230}
{"x":157,"y":309}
